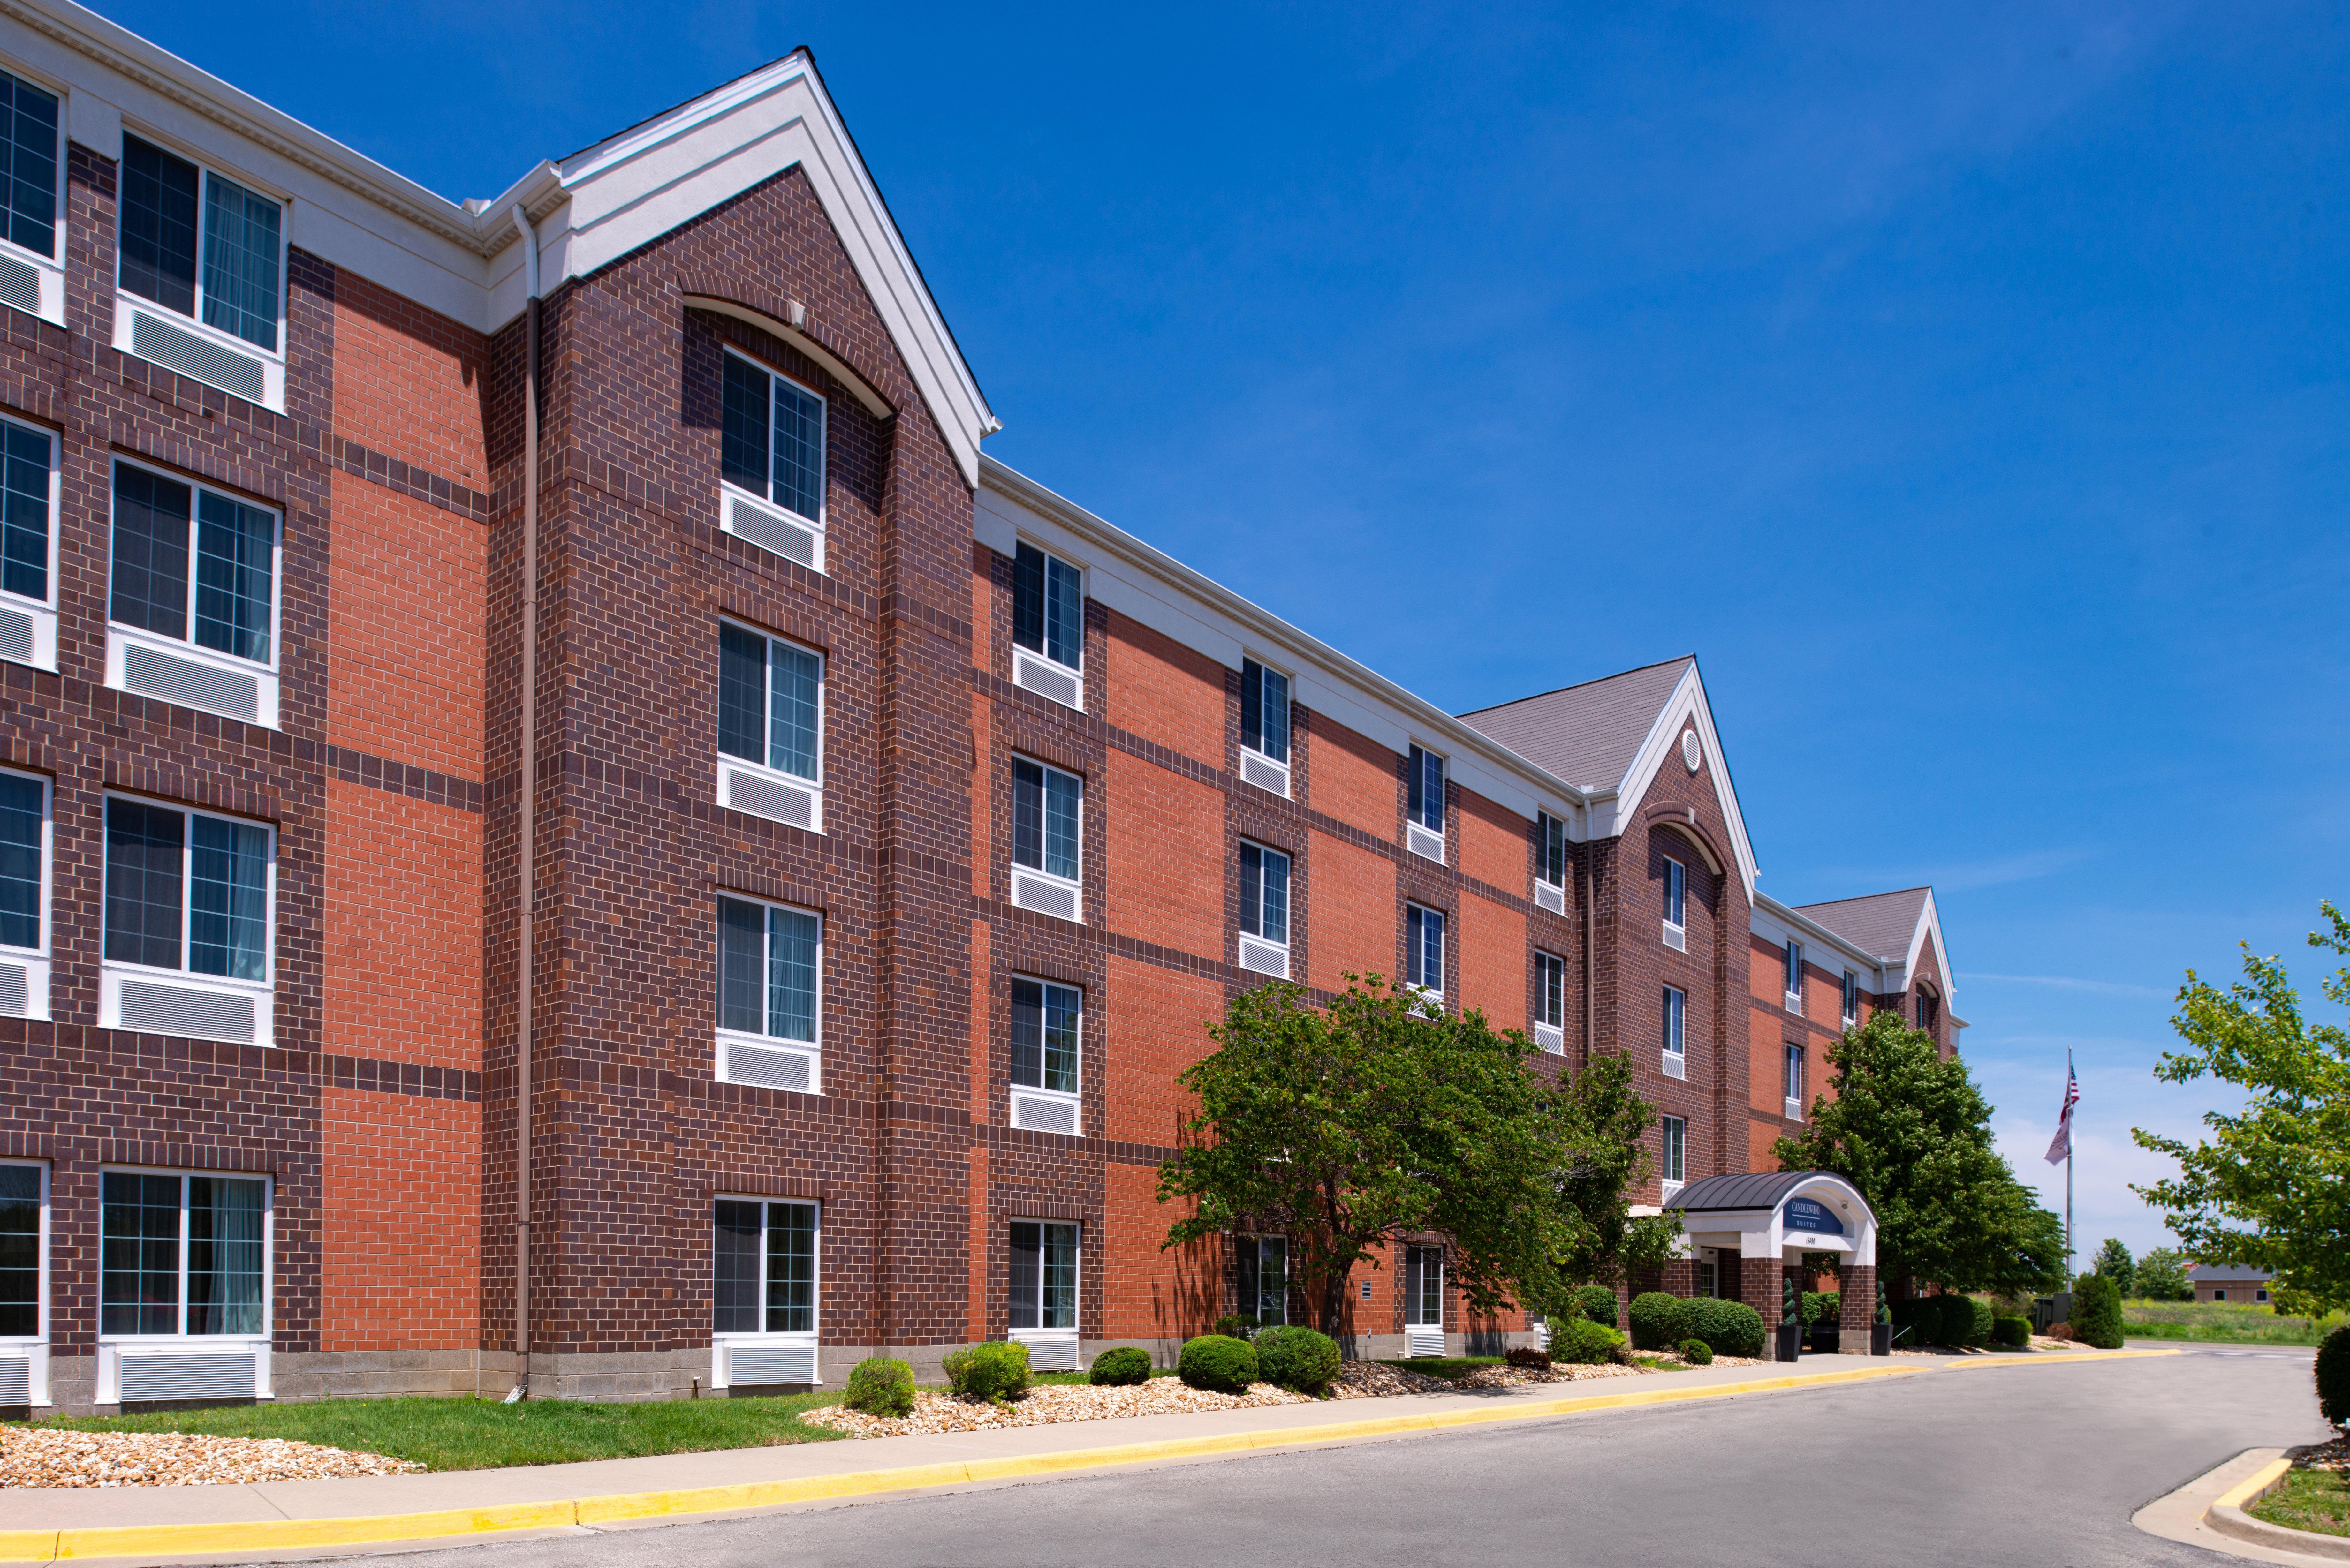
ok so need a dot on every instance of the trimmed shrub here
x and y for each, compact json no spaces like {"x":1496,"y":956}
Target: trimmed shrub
{"x":2015,"y":1333}
{"x":1235,"y":1325}
{"x":1533,"y":1355}
{"x":1116,"y":1368}
{"x":1695,"y":1352}
{"x":1656,"y":1321}
{"x":2334,"y":1376}
{"x":1302,"y":1359}
{"x":1729,"y":1328}
{"x":1822,"y":1307}
{"x":2061,"y":1331}
{"x":882,"y":1386}
{"x":2097,"y":1312}
{"x":1219,"y":1363}
{"x":1954,"y":1320}
{"x":995,"y":1370}
{"x":1981,"y":1321}
{"x":1584,"y":1342}
{"x":1597,"y":1302}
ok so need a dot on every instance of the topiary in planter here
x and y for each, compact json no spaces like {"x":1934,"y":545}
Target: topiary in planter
{"x":1695,"y":1352}
{"x":2097,"y":1312}
{"x":1584,"y":1342}
{"x":882,"y":1386}
{"x":1126,"y":1365}
{"x":996,"y":1370}
{"x":1597,"y":1302}
{"x":1304,"y":1360}
{"x":1217,"y":1362}
{"x":1656,"y":1321}
{"x":1980,"y":1320}
{"x":1531,"y":1356}
{"x":1730,"y":1328}
{"x":2015,"y":1333}
{"x":2334,"y":1376}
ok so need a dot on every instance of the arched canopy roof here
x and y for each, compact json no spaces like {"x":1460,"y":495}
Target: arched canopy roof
{"x":1808,"y":1210}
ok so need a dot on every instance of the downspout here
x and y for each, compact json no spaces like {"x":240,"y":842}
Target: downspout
{"x":527,"y":897}
{"x":1590,"y":982}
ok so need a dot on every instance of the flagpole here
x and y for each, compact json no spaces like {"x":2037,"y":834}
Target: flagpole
{"x":2068,"y":1167}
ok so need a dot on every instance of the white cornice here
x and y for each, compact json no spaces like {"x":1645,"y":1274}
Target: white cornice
{"x":1687,"y":706}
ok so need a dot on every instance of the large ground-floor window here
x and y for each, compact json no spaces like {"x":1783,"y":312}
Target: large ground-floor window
{"x":1261,"y":1270}
{"x":766,"y":1267}
{"x":183,"y":1254}
{"x":1043,"y":1292}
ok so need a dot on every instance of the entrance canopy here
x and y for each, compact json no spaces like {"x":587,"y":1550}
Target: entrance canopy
{"x":1782,"y":1214}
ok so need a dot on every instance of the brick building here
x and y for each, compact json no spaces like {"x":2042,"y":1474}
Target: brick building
{"x":890,"y":825}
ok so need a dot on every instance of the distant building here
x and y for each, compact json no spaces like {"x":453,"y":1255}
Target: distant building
{"x":2229,"y":1282}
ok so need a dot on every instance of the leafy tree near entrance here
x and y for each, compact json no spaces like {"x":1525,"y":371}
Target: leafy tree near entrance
{"x":1382,"y":1118}
{"x":1913,"y":1132}
{"x":2270,"y":1189}
{"x":2114,"y":1262}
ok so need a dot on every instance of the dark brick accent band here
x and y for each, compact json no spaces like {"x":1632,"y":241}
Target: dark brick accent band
{"x":403,"y":1078}
{"x":415,"y":482}
{"x":418,"y":784}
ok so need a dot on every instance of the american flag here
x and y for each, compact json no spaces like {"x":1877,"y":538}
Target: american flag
{"x":2059,"y":1147}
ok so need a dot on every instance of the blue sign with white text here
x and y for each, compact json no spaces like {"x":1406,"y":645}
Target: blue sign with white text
{"x":1803,"y":1214}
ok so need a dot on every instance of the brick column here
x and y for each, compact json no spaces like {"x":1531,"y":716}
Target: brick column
{"x":1858,"y":1285}
{"x":1680,"y":1277}
{"x":1758,"y":1287}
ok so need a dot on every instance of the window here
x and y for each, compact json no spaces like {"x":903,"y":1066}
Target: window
{"x":1795,"y":1081}
{"x":1851,"y":1010}
{"x":2259,"y":1296}
{"x":1047,"y":809}
{"x":770,"y":989}
{"x":1423,"y":1287}
{"x":771,"y":440}
{"x":1550,"y":992}
{"x":1264,"y":711}
{"x":1048,"y":608}
{"x":1930,"y":1010}
{"x":765,"y":1274}
{"x":771,"y":702}
{"x":1423,"y":943}
{"x":1261,"y":1270}
{"x":1676,"y":892}
{"x":25,"y":511}
{"x":1676,"y":1032}
{"x":2218,"y":1293}
{"x":23,"y":1252}
{"x":182,"y":1254}
{"x":24,"y":860}
{"x":1708,"y":1273}
{"x":187,"y":892}
{"x":1676,"y":1152}
{"x":1425,"y":807}
{"x":235,"y":290}
{"x":28,"y":142}
{"x":1044,"y":1275}
{"x":1264,"y":893}
{"x":1046,"y":1019}
{"x":1794,"y":965}
{"x":228,"y":598}
{"x":1554,"y":850}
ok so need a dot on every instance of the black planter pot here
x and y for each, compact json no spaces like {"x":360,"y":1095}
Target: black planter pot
{"x":1880,"y":1339}
{"x":1826,"y":1339}
{"x":1791,"y":1340}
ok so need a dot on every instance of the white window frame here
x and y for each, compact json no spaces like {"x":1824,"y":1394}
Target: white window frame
{"x":1422,"y":1337}
{"x":1849,"y":1010}
{"x":1676,"y":890}
{"x":1793,"y":1069}
{"x":1550,"y":894}
{"x":728,"y":1039}
{"x":273,"y":363}
{"x":1074,"y":1100}
{"x":112,"y":1346}
{"x":42,"y":612}
{"x":112,"y":972}
{"x":121,"y":639}
{"x":1672,"y":1139}
{"x":1676,"y":1032}
{"x":1414,"y":957}
{"x":729,"y":493}
{"x":2259,"y":1295}
{"x":1257,"y":1240}
{"x":1258,"y":953}
{"x":1793,"y":962}
{"x":1062,"y":1341}
{"x":1259,"y":767}
{"x":35,"y":1347}
{"x":761,"y":769}
{"x":722,"y":1345}
{"x":1550,"y":1034}
{"x":37,"y":959}
{"x":1422,"y":840}
{"x":1034,"y":669}
{"x":1074,"y":886}
{"x":52,"y":265}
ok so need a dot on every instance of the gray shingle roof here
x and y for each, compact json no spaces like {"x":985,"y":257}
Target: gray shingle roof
{"x":2225,"y":1273}
{"x":1585,"y":734}
{"x":1879,"y":925}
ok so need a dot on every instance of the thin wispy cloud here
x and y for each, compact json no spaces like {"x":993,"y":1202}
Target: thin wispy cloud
{"x":2066,"y":983}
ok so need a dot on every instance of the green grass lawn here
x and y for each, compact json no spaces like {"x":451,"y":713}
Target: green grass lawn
{"x":2309,"y":1500}
{"x":481,"y":1434}
{"x":1450,"y":1368}
{"x":2221,"y":1323}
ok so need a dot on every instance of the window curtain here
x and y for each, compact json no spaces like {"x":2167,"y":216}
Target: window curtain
{"x":224,"y":1222}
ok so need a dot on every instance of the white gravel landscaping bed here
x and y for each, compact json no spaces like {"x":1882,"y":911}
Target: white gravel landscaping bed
{"x":46,"y":1457}
{"x":1046,"y":1403}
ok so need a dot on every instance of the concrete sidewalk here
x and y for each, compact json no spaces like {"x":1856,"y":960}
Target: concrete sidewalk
{"x":286,"y":1519}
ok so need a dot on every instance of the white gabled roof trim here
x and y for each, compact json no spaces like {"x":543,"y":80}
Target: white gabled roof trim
{"x":1929,"y":928}
{"x":1900,"y":968}
{"x":1685,"y":707}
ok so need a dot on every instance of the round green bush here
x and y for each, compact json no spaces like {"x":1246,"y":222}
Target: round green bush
{"x":1584,"y":1342}
{"x":2015,"y":1333}
{"x":1127,"y":1364}
{"x":1695,"y":1352}
{"x":2097,"y":1312}
{"x":1304,"y":1360}
{"x":1656,"y":1321}
{"x":2334,"y":1376}
{"x":996,"y":1370}
{"x":1981,"y":1321}
{"x":1954,"y":1320}
{"x":1731,"y":1328}
{"x":1527,"y":1356}
{"x":1597,"y":1302}
{"x":1218,"y":1362}
{"x":882,"y":1386}
{"x":1235,"y":1325}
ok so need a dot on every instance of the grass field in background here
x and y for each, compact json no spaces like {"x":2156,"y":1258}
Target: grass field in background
{"x":2221,"y":1323}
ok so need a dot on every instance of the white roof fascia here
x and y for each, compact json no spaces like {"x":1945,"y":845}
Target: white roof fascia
{"x":1153,"y":587}
{"x":1687,"y":705}
{"x":1812,"y":931}
{"x":1929,"y":928}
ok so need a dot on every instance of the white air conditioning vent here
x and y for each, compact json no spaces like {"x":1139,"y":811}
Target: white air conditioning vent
{"x":1547,"y":896}
{"x":174,"y":349}
{"x":1676,"y":1065}
{"x":777,"y":532}
{"x":1055,"y":1354}
{"x":768,"y":1067}
{"x":1044,"y":1114}
{"x":16,"y":634}
{"x":1047,"y":679}
{"x":153,"y":1009}
{"x":1264,"y":957}
{"x":1422,"y":842}
{"x":1045,"y":895}
{"x":151,"y":673}
{"x":1265,"y":772}
{"x":20,"y":285}
{"x":1427,"y":1341}
{"x":199,"y":1374}
{"x":1795,"y":1110}
{"x":16,"y":993}
{"x":1550,"y":1037}
{"x":1677,"y":937}
{"x":778,"y":800}
{"x":761,"y":1365}
{"x":16,"y":1375}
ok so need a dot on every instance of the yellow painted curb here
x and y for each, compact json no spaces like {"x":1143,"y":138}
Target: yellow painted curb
{"x":2060,"y":1357}
{"x":288,"y":1534}
{"x":2253,"y":1485}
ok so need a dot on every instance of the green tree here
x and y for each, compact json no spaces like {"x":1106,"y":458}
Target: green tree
{"x":1380,"y":1118}
{"x":2162,"y":1276}
{"x":2114,"y":1261}
{"x":2271,"y":1187}
{"x":1913,"y":1132}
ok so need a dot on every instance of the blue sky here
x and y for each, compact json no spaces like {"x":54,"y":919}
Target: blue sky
{"x":1964,"y":386}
